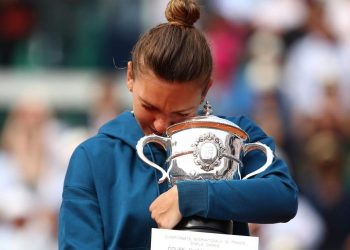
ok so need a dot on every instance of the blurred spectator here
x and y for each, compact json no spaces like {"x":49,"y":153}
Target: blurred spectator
{"x":239,"y":11}
{"x":272,"y":115}
{"x":227,"y":41}
{"x":106,"y":104}
{"x":312,"y":63}
{"x":338,"y":18}
{"x":263,"y":69}
{"x":32,"y":171}
{"x":279,"y":16}
{"x":303,"y":232}
{"x":316,"y":83}
{"x":152,"y":13}
{"x":324,"y":185}
{"x":263,"y":76}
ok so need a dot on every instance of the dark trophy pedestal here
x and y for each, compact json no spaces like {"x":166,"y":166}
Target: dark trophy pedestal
{"x":199,"y":224}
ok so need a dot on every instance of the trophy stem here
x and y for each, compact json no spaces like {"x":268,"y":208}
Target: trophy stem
{"x":200,"y":224}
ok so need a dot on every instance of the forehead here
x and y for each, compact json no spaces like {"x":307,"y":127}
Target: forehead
{"x":167,"y":95}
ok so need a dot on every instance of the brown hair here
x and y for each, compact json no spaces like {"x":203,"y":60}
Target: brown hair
{"x":175,"y":51}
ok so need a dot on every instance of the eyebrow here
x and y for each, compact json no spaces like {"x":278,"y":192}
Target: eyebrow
{"x":156,"y":108}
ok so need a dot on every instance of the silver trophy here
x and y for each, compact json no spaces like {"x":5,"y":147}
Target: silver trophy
{"x":204,"y":148}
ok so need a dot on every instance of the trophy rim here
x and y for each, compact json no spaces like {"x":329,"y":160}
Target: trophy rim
{"x":197,"y":122}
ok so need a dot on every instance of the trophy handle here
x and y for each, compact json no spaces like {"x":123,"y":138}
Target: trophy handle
{"x":163,"y":141}
{"x":260,"y":146}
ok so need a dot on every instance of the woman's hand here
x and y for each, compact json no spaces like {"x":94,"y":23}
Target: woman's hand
{"x":165,"y":209}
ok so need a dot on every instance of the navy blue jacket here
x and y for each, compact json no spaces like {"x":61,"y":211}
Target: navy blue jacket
{"x":108,"y":190}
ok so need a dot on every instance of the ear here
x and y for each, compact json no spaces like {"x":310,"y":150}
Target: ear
{"x":130,"y":77}
{"x":206,"y":89}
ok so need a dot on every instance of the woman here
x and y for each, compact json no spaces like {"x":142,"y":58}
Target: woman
{"x":111,"y":199}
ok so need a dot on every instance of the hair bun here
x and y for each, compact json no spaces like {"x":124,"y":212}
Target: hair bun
{"x":182,"y":12}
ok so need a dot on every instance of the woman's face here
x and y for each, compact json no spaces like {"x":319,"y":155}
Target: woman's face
{"x":157,"y":103}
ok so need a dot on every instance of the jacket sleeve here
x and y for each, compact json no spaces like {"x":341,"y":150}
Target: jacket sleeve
{"x":80,"y":225}
{"x":268,"y":197}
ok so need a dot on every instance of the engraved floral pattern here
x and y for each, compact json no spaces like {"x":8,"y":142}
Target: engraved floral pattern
{"x":208,"y":151}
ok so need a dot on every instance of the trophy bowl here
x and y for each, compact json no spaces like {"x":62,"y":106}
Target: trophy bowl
{"x":203,"y":148}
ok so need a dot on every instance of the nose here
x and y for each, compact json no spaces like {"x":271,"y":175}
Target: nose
{"x":160,"y":124}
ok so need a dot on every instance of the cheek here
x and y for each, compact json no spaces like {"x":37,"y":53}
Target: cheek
{"x":144,"y":117}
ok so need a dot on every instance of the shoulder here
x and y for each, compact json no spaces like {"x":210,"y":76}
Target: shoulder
{"x":253,"y":130}
{"x":99,"y":147}
{"x":97,"y":141}
{"x":255,"y":133}
{"x":89,"y":158}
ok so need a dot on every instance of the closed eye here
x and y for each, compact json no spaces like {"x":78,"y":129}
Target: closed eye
{"x":183,"y":114}
{"x":149,"y":108}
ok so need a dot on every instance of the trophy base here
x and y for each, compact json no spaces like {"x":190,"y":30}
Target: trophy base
{"x":199,"y":224}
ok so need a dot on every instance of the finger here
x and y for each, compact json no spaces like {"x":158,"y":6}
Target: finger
{"x":152,"y":206}
{"x":161,"y":224}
